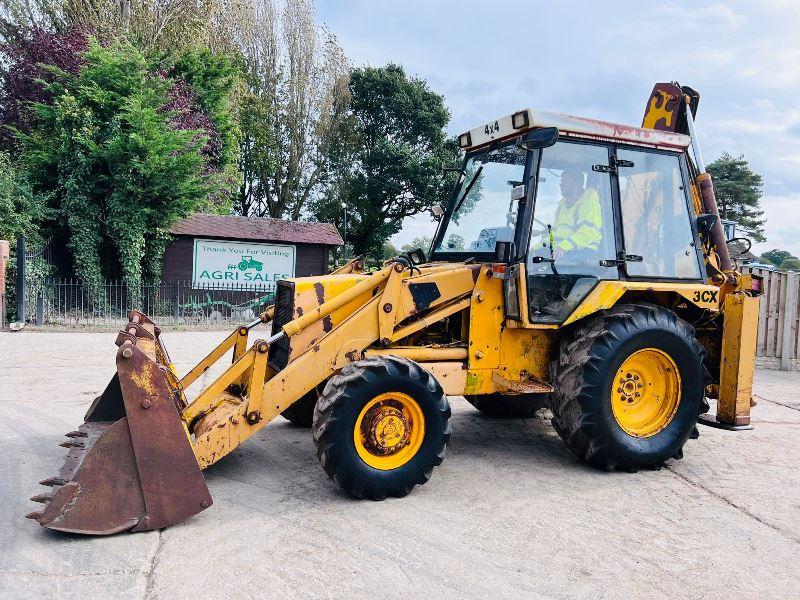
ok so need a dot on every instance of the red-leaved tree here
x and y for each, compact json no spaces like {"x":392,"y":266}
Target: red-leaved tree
{"x":187,"y":116}
{"x":21,"y":84}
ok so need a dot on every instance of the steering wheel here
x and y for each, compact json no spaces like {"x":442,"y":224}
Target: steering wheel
{"x":542,"y":231}
{"x":539,"y":231}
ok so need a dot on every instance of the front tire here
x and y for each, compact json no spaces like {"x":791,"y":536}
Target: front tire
{"x":380,"y":426}
{"x":629,"y":387}
{"x":503,"y":406}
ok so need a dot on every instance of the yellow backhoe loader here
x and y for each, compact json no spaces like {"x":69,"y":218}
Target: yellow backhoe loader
{"x":578,"y":265}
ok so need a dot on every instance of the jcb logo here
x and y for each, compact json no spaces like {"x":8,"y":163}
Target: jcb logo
{"x":705,"y":296}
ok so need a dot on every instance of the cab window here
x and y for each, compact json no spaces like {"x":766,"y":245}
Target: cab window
{"x":655,"y":216}
{"x":573,"y":220}
{"x":485,"y":212}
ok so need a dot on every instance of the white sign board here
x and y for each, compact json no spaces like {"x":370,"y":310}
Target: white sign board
{"x":219,"y":263}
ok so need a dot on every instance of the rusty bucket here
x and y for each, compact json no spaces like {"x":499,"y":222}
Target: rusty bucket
{"x":130,"y":466}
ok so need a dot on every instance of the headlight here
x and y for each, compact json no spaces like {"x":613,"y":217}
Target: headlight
{"x":520,"y":119}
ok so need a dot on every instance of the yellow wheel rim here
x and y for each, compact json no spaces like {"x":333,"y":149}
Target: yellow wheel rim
{"x":389,"y":431}
{"x":646,"y":392}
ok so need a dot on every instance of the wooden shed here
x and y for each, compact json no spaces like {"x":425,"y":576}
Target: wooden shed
{"x":216,"y":249}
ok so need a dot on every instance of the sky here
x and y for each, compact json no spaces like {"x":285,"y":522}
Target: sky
{"x":601,"y":59}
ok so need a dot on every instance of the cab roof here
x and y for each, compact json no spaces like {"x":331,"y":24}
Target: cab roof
{"x":570,"y":126}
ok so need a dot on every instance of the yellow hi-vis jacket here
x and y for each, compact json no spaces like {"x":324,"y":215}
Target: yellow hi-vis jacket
{"x":577,"y":226}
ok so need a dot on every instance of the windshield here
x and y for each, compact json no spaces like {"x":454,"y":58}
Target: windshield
{"x":484,"y":212}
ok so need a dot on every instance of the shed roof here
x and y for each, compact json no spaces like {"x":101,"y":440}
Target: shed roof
{"x":257,"y":229}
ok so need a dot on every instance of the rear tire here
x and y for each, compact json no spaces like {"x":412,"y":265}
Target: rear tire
{"x":500,"y":406}
{"x":301,"y":413}
{"x":367,"y":399}
{"x":589,"y":402}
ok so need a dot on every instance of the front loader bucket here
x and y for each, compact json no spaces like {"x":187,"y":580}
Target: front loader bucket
{"x":131,"y":464}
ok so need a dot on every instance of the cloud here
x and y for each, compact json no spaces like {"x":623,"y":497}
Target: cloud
{"x":719,"y":15}
{"x":601,"y":60}
{"x":782,"y":223}
{"x":794,"y":129}
{"x":414,"y":227}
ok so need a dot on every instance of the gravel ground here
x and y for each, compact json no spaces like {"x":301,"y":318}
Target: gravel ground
{"x":509,"y":514}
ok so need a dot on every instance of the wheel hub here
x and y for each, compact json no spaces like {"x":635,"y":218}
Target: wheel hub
{"x":646,"y":392}
{"x":386,"y":429}
{"x":389,"y":430}
{"x":630,"y":387}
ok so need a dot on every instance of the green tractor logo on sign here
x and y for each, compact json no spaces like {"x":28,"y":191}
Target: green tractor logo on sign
{"x":248,"y":262}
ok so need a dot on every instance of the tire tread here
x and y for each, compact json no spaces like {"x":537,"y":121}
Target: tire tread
{"x":343,"y":388}
{"x":588,"y":349}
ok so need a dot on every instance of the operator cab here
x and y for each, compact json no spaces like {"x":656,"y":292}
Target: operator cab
{"x":577,"y":201}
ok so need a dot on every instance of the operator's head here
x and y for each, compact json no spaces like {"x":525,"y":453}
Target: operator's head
{"x":571,"y":183}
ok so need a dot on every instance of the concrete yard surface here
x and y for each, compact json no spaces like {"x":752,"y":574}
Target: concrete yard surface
{"x":510,"y":513}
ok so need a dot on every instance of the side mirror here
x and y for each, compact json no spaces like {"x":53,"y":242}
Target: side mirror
{"x":705,"y":223}
{"x":539,"y":138}
{"x":417,"y":257}
{"x":503,"y":251}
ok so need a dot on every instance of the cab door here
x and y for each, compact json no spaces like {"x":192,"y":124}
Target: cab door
{"x":573,"y":238}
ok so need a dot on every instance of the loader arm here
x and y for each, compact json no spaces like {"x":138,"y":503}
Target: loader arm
{"x":396,"y":297}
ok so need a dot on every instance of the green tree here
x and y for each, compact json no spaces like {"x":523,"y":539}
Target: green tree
{"x":21,"y":211}
{"x":455,"y":243}
{"x":21,"y":214}
{"x":739,"y":189}
{"x":119,"y":162}
{"x":389,"y":251}
{"x":152,"y":25}
{"x":423,"y":242}
{"x":213,"y":80}
{"x":776,"y":257}
{"x":388,"y":155}
{"x":296,"y":94}
{"x":257,"y":156}
{"x":790,"y":264}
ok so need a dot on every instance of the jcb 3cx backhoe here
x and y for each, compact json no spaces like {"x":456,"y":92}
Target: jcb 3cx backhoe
{"x":579,"y":265}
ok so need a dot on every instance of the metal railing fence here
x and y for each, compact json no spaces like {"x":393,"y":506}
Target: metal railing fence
{"x":75,"y":303}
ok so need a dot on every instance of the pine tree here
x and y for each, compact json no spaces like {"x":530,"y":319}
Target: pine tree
{"x":738,"y":190}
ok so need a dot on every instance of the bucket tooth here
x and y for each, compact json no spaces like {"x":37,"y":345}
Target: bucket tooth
{"x":53,"y":481}
{"x":76,"y":434}
{"x":71,"y":444}
{"x":43,"y":498}
{"x":34,"y":515}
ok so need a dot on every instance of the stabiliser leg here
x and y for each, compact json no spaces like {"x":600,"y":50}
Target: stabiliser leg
{"x":739,"y":333}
